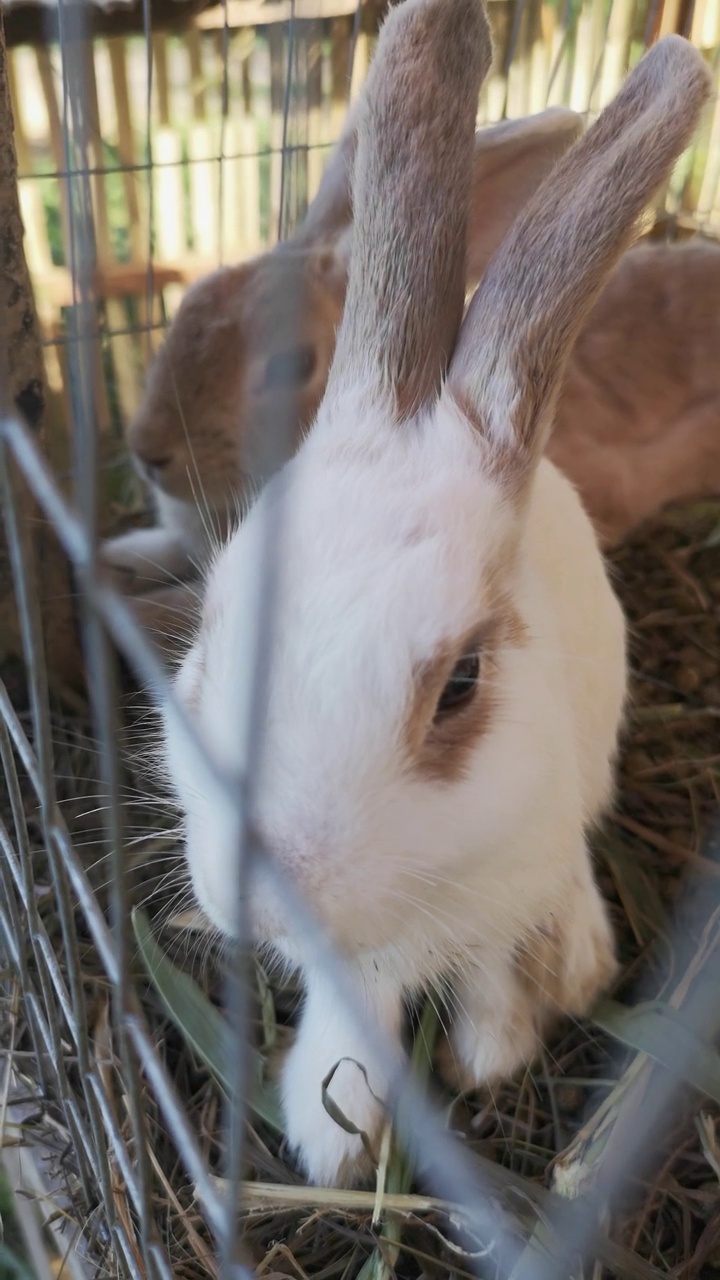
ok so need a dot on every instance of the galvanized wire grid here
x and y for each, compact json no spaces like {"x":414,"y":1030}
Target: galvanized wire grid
{"x":54,"y":995}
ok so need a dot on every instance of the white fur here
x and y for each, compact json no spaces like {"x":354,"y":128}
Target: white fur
{"x":181,"y":542}
{"x":388,"y":537}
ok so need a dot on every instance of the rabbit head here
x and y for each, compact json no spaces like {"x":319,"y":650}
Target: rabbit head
{"x":245,"y":361}
{"x":445,"y":662}
{"x":250,"y":343}
{"x":234,"y":353}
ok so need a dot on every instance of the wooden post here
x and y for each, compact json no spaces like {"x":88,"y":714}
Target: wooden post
{"x":22,"y":389}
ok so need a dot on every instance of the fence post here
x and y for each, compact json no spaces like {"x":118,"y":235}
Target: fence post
{"x":22,"y":389}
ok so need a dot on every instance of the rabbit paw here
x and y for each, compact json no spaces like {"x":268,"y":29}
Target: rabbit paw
{"x":559,"y":968}
{"x":144,"y":557}
{"x":489,"y":1042}
{"x":328,"y":1154}
{"x":329,"y":1046}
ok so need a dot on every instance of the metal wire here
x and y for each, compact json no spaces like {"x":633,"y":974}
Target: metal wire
{"x":56,"y":1007}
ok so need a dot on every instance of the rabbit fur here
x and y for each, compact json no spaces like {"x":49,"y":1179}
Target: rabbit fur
{"x":244,"y":364}
{"x":638,"y":419}
{"x":446,"y":669}
{"x":637,"y":422}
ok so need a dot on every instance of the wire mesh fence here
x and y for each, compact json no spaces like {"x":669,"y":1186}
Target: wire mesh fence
{"x":153,"y":1135}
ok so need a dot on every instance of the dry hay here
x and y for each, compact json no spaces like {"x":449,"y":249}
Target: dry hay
{"x":652,"y":848}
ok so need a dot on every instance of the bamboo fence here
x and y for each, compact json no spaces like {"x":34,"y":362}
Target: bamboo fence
{"x":187,"y":138}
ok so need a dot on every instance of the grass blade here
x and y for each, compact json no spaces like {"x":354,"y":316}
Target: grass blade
{"x":657,"y":1030}
{"x":201,"y":1025}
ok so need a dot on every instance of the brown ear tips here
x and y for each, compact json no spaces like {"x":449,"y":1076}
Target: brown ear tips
{"x":423,"y":21}
{"x":669,"y":86}
{"x":411,"y":194}
{"x":673,"y":64}
{"x":680,"y":55}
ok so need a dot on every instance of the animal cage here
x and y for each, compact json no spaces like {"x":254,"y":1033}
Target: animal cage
{"x":143,"y":144}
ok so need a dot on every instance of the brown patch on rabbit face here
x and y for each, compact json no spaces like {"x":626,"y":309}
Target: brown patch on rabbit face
{"x":440,"y":741}
{"x":240,"y":375}
{"x":187,"y":424}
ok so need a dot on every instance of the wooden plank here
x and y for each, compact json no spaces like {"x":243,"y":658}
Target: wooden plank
{"x":126,"y":145}
{"x":39,"y":24}
{"x":671,"y":17}
{"x":115,"y":123}
{"x":57,"y":144}
{"x":617,"y":49}
{"x":315,"y":155}
{"x":296,"y":161}
{"x":204,"y":174}
{"x":706,"y":24}
{"x":125,"y":349}
{"x":38,"y":252}
{"x":278,"y":75}
{"x":588,"y":50}
{"x":126,"y":355}
{"x":101,"y":224}
{"x":708,"y":197}
{"x":538,"y":63}
{"x":169,"y":205}
{"x":340,"y":71}
{"x":560,"y":65}
{"x":518,"y":83}
{"x":360,"y":63}
{"x":241,"y":191}
{"x":37,"y":243}
{"x":123,"y":279}
{"x":493,"y":98}
{"x":193,"y":44}
{"x":161,"y":79}
{"x":256,"y":13}
{"x":96,"y":157}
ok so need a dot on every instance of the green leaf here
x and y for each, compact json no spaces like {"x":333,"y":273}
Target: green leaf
{"x":13,"y":1267}
{"x":200,"y":1023}
{"x":658,"y":1031}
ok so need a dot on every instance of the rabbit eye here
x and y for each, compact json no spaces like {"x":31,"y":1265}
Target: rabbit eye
{"x":290,"y":368}
{"x":460,"y":688}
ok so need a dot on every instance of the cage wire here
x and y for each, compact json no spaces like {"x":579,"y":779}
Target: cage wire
{"x":134,"y":1153}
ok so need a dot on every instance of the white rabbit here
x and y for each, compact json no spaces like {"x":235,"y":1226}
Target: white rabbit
{"x":447,"y":661}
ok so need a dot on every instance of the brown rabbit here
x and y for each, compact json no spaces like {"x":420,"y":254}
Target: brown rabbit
{"x":245,"y":362}
{"x":638,"y":420}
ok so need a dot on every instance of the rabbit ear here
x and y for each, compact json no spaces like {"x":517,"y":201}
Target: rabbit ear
{"x":411,"y":190}
{"x":331,"y":210}
{"x":510,"y":161}
{"x":539,"y":288}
